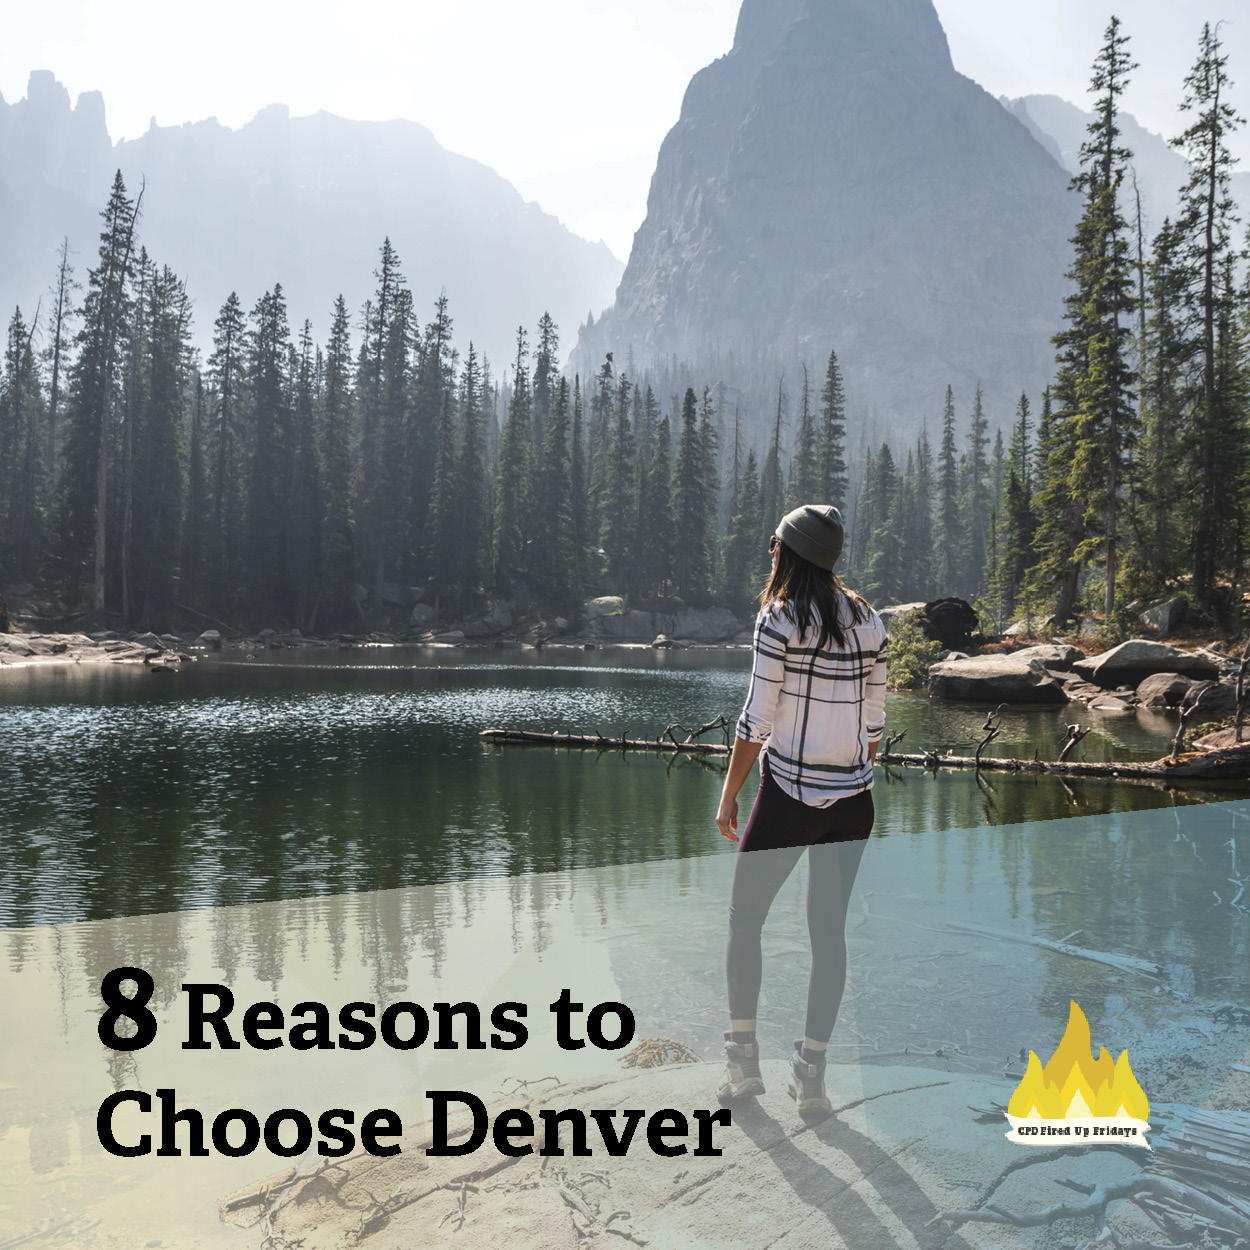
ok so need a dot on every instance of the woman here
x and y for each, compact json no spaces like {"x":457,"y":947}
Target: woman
{"x":816,"y":706}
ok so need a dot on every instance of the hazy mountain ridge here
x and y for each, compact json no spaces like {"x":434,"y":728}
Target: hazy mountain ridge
{"x":301,"y":201}
{"x":1061,"y":127}
{"x":834,"y":182}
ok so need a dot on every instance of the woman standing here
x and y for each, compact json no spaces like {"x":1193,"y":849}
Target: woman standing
{"x":816,"y":706}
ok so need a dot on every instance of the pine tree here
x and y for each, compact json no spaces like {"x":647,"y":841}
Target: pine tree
{"x":693,"y":512}
{"x":337,"y":459}
{"x":578,"y":479}
{"x":445,"y":558}
{"x":556,"y":556}
{"x":135,"y":383}
{"x":599,"y":441}
{"x":919,"y":541}
{"x":950,"y":529}
{"x":865,"y":519}
{"x":381,"y":395}
{"x":1016,"y":521}
{"x":1215,"y":437}
{"x":192,"y":560}
{"x":975,"y":499}
{"x":23,"y":471}
{"x":225,"y":452}
{"x":93,"y":400}
{"x":417,"y":424}
{"x":1094,"y":422}
{"x":159,"y":489}
{"x":833,"y":472}
{"x":63,"y":312}
{"x":998,"y":459}
{"x":1160,"y":523}
{"x":546,"y":373}
{"x":655,"y":502}
{"x":269,"y":441}
{"x":742,"y":544}
{"x":513,"y":476}
{"x":771,"y":488}
{"x":307,"y":497}
{"x":618,"y":504}
{"x":474,"y":509}
{"x":661,"y":550}
{"x":709,"y":483}
{"x":806,"y":463}
{"x":881,"y":575}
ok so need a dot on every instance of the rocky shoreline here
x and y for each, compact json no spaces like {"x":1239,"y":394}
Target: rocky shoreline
{"x":166,"y":652}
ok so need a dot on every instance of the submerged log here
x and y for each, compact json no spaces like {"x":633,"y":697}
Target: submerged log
{"x":1228,"y":764}
{"x":601,"y":743}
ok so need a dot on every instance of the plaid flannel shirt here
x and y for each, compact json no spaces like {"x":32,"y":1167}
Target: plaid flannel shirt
{"x":817,"y":710}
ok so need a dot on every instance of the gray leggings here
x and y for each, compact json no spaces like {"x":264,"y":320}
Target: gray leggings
{"x":779,"y":830}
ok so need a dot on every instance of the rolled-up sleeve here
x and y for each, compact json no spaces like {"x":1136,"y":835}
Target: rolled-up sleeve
{"x":874,"y":694}
{"x":756,"y":722}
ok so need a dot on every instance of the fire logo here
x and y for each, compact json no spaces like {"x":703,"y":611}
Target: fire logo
{"x":1076,"y":1096}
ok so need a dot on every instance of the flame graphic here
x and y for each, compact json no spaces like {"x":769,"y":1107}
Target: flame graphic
{"x":1074,"y":1085}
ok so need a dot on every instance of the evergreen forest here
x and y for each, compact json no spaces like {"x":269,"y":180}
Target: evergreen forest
{"x":319,"y":484}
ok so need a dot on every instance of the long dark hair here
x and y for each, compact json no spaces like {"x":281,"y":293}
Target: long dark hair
{"x":810,"y":594}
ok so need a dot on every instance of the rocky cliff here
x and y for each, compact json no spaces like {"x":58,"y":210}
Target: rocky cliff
{"x":833,"y":182}
{"x":303,"y":201}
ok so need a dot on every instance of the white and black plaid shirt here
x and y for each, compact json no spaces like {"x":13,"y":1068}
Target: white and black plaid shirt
{"x":817,"y":710}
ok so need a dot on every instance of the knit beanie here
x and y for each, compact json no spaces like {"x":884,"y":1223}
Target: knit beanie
{"x":814,"y":532}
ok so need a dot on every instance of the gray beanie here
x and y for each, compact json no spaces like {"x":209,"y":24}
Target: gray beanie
{"x":814,"y":532}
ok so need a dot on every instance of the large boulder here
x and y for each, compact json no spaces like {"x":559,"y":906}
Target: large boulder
{"x":894,"y":610}
{"x":629,"y":625}
{"x":1052,"y":654}
{"x":1163,"y":690}
{"x":995,"y":679}
{"x":423,"y":615}
{"x":396,"y":596}
{"x":1132,"y":662}
{"x":605,"y":605}
{"x":494,"y":622}
{"x":706,"y":624}
{"x":1030,"y":625}
{"x":1164,"y":617}
{"x":1212,"y":698}
{"x":952,"y":622}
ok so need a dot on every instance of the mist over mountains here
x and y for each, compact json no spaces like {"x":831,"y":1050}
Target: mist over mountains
{"x":303,"y":201}
{"x":833,"y":182}
{"x":1061,"y":127}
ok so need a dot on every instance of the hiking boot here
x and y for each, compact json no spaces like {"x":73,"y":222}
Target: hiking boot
{"x":742,"y":1072}
{"x":807,"y":1087}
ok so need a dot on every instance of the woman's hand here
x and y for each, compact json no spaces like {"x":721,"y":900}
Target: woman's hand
{"x":741,"y":758}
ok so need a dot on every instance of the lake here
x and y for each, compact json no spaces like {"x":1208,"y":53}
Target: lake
{"x":298,"y":774}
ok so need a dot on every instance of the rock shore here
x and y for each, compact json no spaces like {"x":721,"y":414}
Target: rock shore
{"x":901,"y":1147}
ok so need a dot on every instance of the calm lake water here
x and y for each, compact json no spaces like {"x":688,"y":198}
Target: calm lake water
{"x":293,"y":775}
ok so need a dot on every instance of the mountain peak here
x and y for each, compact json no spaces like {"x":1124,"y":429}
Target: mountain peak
{"x":907,"y":27}
{"x":833,"y":182}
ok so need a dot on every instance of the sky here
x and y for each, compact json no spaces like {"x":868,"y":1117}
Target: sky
{"x":567,"y":99}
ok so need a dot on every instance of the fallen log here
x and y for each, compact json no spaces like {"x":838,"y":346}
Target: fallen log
{"x":599,"y":742}
{"x":1226,"y":764}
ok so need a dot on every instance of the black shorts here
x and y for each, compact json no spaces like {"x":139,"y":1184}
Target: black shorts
{"x":779,"y":820}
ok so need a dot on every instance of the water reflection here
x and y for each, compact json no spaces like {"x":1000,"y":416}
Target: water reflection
{"x":232,"y":782}
{"x":651,"y":935}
